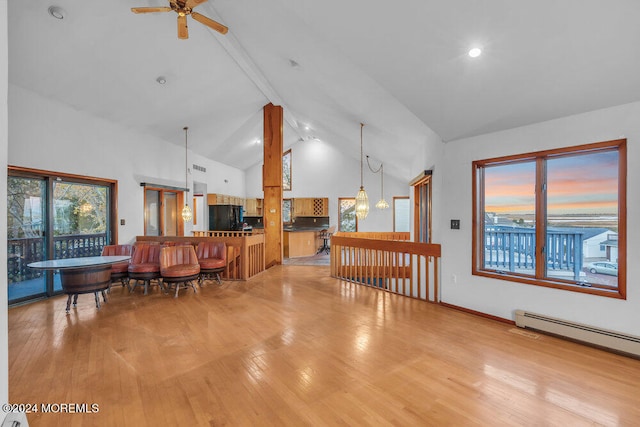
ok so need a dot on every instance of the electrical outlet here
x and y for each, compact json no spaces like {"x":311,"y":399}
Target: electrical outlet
{"x":455,"y":224}
{"x":454,"y":278}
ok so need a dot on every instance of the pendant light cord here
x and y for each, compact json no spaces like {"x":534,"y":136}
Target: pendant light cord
{"x":186,"y":185}
{"x":361,"y":163}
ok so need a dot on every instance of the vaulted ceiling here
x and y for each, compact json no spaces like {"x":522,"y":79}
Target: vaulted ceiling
{"x":400,"y":67}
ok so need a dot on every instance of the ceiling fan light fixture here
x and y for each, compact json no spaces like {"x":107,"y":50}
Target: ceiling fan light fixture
{"x":57,"y":12}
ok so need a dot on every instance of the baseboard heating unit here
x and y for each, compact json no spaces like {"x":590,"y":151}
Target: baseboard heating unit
{"x":588,"y":334}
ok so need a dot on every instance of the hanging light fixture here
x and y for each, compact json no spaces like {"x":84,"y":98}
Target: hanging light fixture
{"x":382,"y":203}
{"x":186,"y":211}
{"x":362,"y":200}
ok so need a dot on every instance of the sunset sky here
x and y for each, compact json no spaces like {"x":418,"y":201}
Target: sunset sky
{"x":578,"y":184}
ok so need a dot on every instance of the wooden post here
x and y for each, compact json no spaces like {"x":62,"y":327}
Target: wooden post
{"x":272,"y":184}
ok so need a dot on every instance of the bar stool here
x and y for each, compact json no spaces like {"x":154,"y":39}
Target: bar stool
{"x":325,"y":235}
{"x":145,"y":265}
{"x":120,"y":270}
{"x":212,"y":257}
{"x":179,"y":265}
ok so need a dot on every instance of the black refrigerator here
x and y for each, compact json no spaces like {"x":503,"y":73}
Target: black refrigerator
{"x":225,"y":217}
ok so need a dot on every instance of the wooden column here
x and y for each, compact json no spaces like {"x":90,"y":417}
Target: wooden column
{"x":272,"y":184}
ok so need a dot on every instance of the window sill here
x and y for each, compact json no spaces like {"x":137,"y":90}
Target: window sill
{"x":549,"y":283}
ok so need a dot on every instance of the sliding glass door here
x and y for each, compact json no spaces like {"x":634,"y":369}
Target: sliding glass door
{"x":53,"y":217}
{"x":26,"y":225}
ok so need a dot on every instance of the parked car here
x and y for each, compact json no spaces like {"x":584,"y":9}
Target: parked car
{"x":604,"y":267}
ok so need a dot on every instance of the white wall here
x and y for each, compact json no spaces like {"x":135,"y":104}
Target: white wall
{"x":51,"y":136}
{"x":4,"y":124}
{"x":500,"y":298}
{"x":319,"y":170}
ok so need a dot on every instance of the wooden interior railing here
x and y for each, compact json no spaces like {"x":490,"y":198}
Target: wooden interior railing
{"x":245,"y":254}
{"x":210,"y":233}
{"x":401,"y":267}
{"x":380,"y":235}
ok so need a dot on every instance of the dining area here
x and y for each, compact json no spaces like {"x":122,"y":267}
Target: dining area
{"x":169,"y":266}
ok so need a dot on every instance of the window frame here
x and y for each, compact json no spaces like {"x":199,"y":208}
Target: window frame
{"x":538,"y":279}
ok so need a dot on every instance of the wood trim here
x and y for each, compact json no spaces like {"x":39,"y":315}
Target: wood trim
{"x":478,"y":313}
{"x":19,"y":170}
{"x":195,"y":211}
{"x":597,"y":146}
{"x":539,"y":157}
{"x":83,"y":179}
{"x":622,"y":220}
{"x":163,"y":187}
{"x":477,"y":222}
{"x":417,"y":208}
{"x":423,"y":176}
{"x":541,"y":215}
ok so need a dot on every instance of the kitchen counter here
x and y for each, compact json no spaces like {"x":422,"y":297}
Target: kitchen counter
{"x":300,"y":242}
{"x":295,"y":229}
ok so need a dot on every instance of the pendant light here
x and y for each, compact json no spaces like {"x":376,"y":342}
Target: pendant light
{"x":362,"y":200}
{"x":186,"y":211}
{"x":382,"y":203}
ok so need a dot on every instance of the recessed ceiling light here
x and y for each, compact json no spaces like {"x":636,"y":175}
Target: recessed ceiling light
{"x":307,"y":127}
{"x":475,"y":52}
{"x":161,"y":80}
{"x":57,"y":12}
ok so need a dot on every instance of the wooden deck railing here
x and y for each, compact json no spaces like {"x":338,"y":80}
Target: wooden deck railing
{"x":401,"y":267}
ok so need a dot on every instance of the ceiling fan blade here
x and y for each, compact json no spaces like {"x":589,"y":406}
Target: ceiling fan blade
{"x":210,"y":23}
{"x":194,"y":3}
{"x":183,"y":30}
{"x":150,"y":9}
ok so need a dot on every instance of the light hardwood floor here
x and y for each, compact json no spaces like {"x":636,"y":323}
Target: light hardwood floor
{"x":296,"y":347}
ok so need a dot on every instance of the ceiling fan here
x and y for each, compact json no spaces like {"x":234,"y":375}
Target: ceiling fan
{"x":184,"y":8}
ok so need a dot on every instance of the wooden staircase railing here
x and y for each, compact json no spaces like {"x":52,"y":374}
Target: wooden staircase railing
{"x":401,"y":267}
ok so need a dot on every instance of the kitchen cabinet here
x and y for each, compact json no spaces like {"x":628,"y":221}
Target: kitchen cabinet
{"x":224,"y":199}
{"x":311,"y":206}
{"x":300,"y":243}
{"x":253,"y":207}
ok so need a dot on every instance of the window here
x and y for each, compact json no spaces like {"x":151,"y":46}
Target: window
{"x":286,"y":171}
{"x":539,"y":218}
{"x":347,"y":220}
{"x":286,"y":211}
{"x":401,"y":214}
